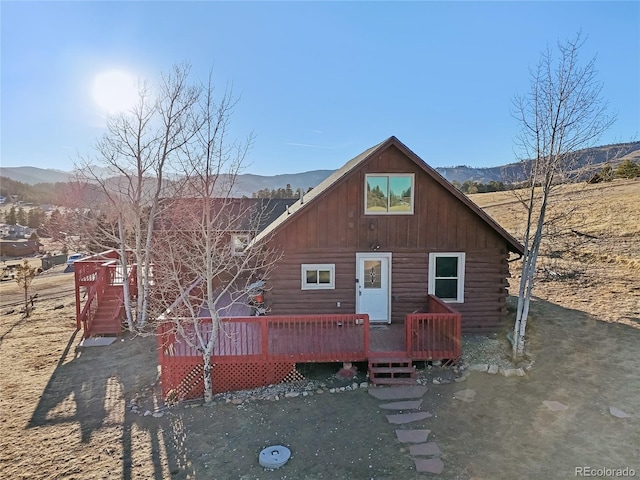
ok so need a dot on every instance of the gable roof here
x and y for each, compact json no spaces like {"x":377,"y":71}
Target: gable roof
{"x":322,"y":189}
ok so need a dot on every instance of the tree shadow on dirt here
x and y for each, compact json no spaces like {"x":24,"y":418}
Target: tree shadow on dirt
{"x":69,"y":383}
{"x":94,"y":387}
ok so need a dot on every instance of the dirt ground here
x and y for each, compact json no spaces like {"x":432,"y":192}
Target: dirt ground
{"x":64,"y":410}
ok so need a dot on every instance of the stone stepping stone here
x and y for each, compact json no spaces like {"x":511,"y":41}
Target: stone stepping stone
{"x":430,"y":449}
{"x":479,"y":367}
{"x":412,"y":436}
{"x":406,"y":405}
{"x":429,"y":465}
{"x":97,"y":342}
{"x":401,"y":418}
{"x":397,"y":393}
{"x":616,"y":412}
{"x":465,"y":395}
{"x":555,"y":406}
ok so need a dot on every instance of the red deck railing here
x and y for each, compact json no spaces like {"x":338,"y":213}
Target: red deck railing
{"x":86,"y":276}
{"x":255,"y":351}
{"x":303,"y":338}
{"x":94,"y":296}
{"x":436,"y":334}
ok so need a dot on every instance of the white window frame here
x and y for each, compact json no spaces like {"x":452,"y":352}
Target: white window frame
{"x":235,"y":236}
{"x":432,"y":275}
{"x":330,"y":267}
{"x":389,"y":176}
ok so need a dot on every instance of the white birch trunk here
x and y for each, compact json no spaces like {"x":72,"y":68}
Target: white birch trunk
{"x":527,"y":279}
{"x":524,"y":300}
{"x":208,"y":350}
{"x":125,"y":269}
{"x":206,"y":374}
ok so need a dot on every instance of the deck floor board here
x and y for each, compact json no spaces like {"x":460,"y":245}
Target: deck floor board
{"x":387,"y":338}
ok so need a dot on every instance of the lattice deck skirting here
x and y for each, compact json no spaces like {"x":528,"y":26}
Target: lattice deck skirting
{"x":185,"y":382}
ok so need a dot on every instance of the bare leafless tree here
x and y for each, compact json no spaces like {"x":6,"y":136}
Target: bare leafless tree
{"x":25,"y":274}
{"x":167,"y":175}
{"x":204,"y":261}
{"x":562,"y":114}
{"x":133,"y":157}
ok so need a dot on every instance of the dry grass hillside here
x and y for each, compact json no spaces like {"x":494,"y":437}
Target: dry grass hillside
{"x":591,"y":259}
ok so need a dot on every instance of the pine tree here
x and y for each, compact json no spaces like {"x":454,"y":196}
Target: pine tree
{"x":35,"y":216}
{"x":12,"y":218}
{"x":628,"y":169}
{"x":21,"y":217}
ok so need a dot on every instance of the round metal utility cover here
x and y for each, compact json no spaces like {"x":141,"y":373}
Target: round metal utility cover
{"x":275,"y":456}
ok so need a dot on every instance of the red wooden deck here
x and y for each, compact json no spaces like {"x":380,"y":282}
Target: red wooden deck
{"x":249,"y":352}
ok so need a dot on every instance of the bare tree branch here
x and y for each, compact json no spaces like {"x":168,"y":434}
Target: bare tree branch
{"x":133,"y":154}
{"x":562,"y":113}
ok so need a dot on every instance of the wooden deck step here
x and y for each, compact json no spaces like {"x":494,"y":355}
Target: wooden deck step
{"x":102,"y":327}
{"x":394,"y":381}
{"x":392,"y":371}
{"x":390,"y":361}
{"x":379,"y":370}
{"x":103,"y":321}
{"x":100,"y":331}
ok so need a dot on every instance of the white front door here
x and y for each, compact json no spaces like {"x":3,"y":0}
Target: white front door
{"x":373,"y":286}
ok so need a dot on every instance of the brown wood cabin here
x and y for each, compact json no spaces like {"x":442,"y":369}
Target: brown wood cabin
{"x":384,"y":240}
{"x":380,"y":234}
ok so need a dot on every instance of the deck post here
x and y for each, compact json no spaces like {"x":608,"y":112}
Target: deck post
{"x":264,"y":330}
{"x":366,"y":335}
{"x":408,"y":333}
{"x":77,"y":288}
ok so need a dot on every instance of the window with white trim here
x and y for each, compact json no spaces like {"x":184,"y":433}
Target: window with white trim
{"x":239,"y":242}
{"x":446,"y":276}
{"x":388,"y":193}
{"x":317,"y":276}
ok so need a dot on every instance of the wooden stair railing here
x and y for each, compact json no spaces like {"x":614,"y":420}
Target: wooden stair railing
{"x":96,"y":292}
{"x":102,"y":312}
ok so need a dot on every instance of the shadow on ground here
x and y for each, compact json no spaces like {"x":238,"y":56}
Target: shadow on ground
{"x":506,"y":432}
{"x":94,"y":386}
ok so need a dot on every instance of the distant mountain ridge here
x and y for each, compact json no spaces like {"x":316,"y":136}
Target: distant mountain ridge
{"x":33,"y":175}
{"x":595,"y":157}
{"x":248,"y":183}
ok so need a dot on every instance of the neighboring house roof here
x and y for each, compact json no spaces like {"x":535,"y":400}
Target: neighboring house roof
{"x":239,"y":214}
{"x":322,"y":189}
{"x":272,"y":209}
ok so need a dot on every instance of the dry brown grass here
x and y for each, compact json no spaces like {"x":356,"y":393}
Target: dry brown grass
{"x":595,"y":262}
{"x":601,"y":209}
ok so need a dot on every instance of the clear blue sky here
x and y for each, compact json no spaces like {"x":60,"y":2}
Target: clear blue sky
{"x":319,"y":81}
